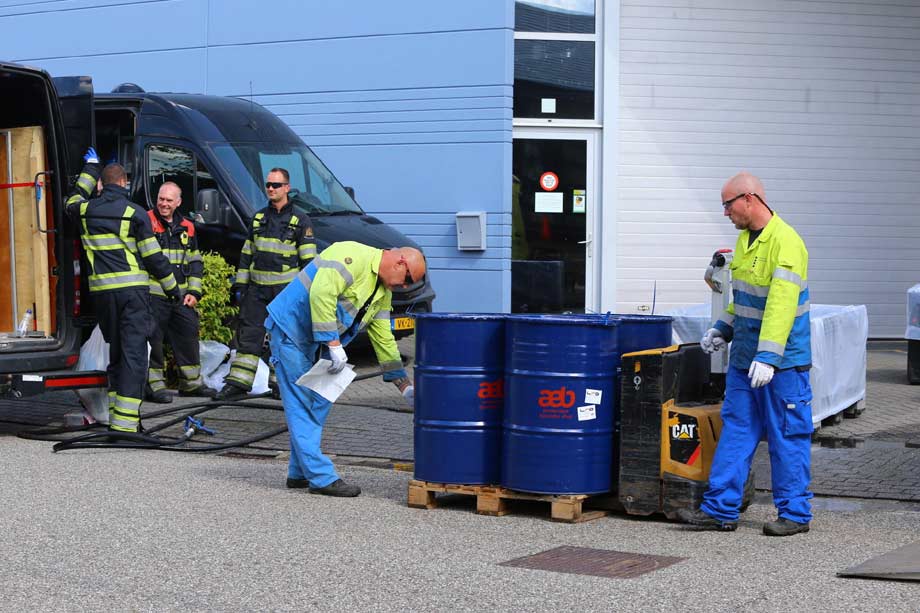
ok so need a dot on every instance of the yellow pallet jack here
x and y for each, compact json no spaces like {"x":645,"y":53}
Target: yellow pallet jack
{"x":670,"y":400}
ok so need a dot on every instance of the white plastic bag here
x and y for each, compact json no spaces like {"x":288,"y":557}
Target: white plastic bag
{"x":94,"y":355}
{"x":213,"y":355}
{"x":214,"y":375}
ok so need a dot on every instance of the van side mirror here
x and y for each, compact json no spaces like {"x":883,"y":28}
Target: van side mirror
{"x":208,"y":206}
{"x":351,"y":192}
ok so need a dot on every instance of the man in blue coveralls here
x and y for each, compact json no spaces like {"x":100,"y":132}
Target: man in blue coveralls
{"x":344,"y":290}
{"x":767,"y":387}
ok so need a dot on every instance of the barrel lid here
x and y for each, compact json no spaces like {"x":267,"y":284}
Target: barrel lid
{"x":575,"y":319}
{"x":649,"y":319}
{"x":462,"y":316}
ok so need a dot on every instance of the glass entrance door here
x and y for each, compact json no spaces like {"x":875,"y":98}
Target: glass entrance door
{"x":551,"y":223}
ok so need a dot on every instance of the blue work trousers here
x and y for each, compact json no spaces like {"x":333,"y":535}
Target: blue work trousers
{"x":304,"y":409}
{"x":781,"y":411}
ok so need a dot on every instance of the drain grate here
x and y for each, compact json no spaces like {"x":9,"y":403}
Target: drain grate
{"x":596,"y":562}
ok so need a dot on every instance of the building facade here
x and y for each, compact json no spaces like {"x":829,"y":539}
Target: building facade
{"x":594,"y":135}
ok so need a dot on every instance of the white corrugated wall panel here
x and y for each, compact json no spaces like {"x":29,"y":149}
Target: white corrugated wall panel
{"x":817,"y":98}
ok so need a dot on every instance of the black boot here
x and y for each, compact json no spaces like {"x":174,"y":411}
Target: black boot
{"x":784,"y":527}
{"x":337,"y":488}
{"x":231,"y":391}
{"x":700,"y":519}
{"x":159,"y":397}
{"x":202,"y":391}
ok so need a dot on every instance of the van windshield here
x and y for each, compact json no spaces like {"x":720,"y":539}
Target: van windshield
{"x":313,"y":187}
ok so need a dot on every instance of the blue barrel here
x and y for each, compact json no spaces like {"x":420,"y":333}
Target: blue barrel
{"x":561,"y":389}
{"x":640,"y":332}
{"x":459,"y":397}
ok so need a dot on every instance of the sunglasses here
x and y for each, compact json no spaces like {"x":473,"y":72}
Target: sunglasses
{"x":273,"y":185}
{"x":728,"y":203}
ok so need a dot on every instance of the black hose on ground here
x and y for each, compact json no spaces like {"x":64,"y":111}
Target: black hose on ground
{"x":113,"y":439}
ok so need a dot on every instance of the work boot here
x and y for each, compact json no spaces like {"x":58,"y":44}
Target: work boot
{"x":700,"y":519}
{"x":231,"y":391}
{"x":202,"y":391}
{"x":159,"y":397}
{"x":784,"y":527}
{"x":337,"y":488}
{"x":297,"y":484}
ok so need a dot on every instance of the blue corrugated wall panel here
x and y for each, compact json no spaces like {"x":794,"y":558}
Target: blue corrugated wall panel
{"x":409,"y":102}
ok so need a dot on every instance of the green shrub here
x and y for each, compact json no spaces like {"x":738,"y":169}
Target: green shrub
{"x":214,"y":307}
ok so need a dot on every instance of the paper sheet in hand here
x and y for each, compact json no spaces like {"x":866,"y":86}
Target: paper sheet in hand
{"x":327,"y":385}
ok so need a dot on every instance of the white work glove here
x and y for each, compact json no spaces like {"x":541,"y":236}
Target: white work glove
{"x":409,"y":394}
{"x":760,"y":374}
{"x":712,"y":341}
{"x":339,"y":359}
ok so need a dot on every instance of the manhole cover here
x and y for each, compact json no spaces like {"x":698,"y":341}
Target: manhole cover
{"x":596,"y":562}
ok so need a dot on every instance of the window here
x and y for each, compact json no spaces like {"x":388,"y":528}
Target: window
{"x":179,"y":165}
{"x":572,"y":16}
{"x":313,"y":187}
{"x":555,"y":59}
{"x":554,"y":78}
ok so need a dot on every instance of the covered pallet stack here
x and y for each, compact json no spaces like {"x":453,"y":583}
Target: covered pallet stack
{"x":25,"y":254}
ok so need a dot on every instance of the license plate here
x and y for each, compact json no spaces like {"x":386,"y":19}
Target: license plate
{"x":403,"y":323}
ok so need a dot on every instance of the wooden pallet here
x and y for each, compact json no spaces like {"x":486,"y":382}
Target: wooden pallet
{"x":493,"y":500}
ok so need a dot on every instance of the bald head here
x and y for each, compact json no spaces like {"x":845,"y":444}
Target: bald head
{"x":745,"y":202}
{"x":402,"y":266}
{"x":745,"y":183}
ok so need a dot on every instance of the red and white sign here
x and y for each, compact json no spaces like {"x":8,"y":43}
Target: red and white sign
{"x":549,"y":181}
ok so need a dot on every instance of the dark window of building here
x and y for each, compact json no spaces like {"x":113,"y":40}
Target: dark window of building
{"x":553,"y":78}
{"x":569,"y":16}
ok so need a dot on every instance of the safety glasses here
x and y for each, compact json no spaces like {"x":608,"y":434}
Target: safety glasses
{"x":728,"y":203}
{"x":274,"y":185}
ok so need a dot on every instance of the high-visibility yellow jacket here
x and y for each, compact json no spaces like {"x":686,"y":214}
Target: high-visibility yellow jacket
{"x":322,"y":303}
{"x":117,"y":238}
{"x":768,"y":320}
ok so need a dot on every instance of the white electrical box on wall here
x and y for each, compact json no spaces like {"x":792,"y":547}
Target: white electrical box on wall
{"x":471,"y":231}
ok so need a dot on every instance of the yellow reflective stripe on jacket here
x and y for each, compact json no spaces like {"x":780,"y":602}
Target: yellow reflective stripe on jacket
{"x":275,"y":245}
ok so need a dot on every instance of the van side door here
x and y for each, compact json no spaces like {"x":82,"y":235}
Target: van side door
{"x":75,"y":97}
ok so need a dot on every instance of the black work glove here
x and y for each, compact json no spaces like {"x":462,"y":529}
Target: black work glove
{"x":237,"y":293}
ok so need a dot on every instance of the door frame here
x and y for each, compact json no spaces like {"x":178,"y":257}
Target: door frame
{"x":592,"y":139}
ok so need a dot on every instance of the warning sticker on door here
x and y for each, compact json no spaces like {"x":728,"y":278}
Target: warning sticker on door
{"x":593,"y":396}
{"x":586,"y":413}
{"x":578,"y":201}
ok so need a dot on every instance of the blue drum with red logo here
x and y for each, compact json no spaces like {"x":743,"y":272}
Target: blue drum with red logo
{"x":561,"y":385}
{"x":459,"y":397}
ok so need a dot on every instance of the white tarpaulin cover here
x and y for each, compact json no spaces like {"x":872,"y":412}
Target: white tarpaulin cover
{"x":838,"y":351}
{"x":913,"y":314}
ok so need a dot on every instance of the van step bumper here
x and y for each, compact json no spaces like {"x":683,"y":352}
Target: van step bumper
{"x":21,"y":385}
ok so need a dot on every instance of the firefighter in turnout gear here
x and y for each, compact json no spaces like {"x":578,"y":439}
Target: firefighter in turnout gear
{"x":346,"y":289}
{"x":121,"y":249}
{"x":280,"y":244}
{"x":177,"y":323}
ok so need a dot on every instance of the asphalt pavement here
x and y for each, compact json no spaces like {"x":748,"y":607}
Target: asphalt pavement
{"x":150,"y":530}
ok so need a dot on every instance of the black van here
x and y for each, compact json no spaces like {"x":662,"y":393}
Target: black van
{"x":39,"y":251}
{"x":219,"y":151}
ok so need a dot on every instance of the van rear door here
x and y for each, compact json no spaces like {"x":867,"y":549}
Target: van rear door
{"x":75,"y":97}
